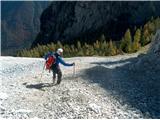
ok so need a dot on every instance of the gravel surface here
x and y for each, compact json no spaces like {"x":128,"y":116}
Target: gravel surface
{"x":103,"y":87}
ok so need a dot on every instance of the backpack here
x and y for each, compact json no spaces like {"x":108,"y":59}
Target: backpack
{"x":50,"y":60}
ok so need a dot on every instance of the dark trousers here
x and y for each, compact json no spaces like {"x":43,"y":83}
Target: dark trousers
{"x":57,"y":71}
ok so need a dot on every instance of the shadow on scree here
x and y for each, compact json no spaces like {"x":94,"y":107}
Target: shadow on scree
{"x":138,"y":89}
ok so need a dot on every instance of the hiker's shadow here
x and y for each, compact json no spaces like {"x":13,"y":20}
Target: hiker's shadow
{"x":39,"y":86}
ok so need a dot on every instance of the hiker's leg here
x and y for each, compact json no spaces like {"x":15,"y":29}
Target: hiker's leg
{"x":54,"y":77}
{"x":59,"y":76}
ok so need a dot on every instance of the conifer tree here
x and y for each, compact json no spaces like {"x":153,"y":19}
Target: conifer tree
{"x":111,"y":48}
{"x":136,"y":41}
{"x":107,"y":52}
{"x":66,"y":51}
{"x":40,"y":50}
{"x":145,"y":37}
{"x":126,"y":43}
{"x":35,"y":53}
{"x":103,"y":47}
{"x":59,"y":45}
{"x":151,"y":27}
{"x":53,"y":47}
{"x":122,"y":45}
{"x":102,"y":38}
{"x":128,"y":40}
{"x":79,"y":49}
{"x":91,"y":50}
{"x":86,"y":49}
{"x":96,"y":46}
{"x":79,"y":45}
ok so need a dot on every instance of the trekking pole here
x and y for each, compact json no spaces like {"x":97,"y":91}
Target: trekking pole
{"x":42,"y":71}
{"x":74,"y":70}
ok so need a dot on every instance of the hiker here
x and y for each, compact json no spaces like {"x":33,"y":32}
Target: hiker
{"x":55,"y":66}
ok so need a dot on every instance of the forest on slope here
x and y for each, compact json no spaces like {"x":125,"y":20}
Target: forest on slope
{"x":129,"y":43}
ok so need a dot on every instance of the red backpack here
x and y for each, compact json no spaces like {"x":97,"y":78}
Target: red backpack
{"x":50,"y":61}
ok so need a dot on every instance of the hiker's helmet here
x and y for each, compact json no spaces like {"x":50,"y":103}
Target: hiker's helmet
{"x":60,"y":51}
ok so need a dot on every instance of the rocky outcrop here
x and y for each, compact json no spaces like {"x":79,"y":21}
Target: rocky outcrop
{"x":149,"y":63}
{"x":68,"y":21}
{"x":155,"y":47}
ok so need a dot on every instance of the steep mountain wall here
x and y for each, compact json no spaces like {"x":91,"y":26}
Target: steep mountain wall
{"x":20,"y":24}
{"x":68,"y":21}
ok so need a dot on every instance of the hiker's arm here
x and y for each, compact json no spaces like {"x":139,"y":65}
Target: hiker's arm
{"x":64,"y":63}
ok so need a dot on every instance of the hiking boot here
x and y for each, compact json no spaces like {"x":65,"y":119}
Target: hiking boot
{"x":58,"y":81}
{"x":54,"y":80}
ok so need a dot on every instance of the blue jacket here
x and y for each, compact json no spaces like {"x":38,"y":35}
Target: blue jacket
{"x":58,"y":59}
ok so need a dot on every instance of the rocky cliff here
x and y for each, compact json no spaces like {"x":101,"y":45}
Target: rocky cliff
{"x":149,"y":63}
{"x":20,"y":24}
{"x":155,"y":47}
{"x":68,"y":21}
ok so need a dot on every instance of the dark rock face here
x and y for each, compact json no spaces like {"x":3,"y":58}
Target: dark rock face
{"x":155,"y":47}
{"x":68,"y":21}
{"x":150,"y":62}
{"x":147,"y":72}
{"x":20,"y":24}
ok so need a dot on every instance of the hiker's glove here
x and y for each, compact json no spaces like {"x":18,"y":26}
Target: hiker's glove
{"x":73,"y":64}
